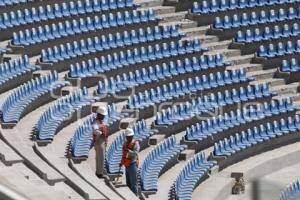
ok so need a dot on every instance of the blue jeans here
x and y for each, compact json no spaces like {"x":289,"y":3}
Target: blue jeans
{"x":131,"y":177}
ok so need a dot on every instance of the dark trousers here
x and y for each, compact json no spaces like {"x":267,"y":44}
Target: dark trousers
{"x":131,"y":172}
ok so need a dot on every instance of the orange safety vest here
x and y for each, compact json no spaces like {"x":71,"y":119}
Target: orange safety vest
{"x":126,"y":159}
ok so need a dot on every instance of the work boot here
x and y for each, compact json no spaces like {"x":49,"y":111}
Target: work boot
{"x":99,"y":175}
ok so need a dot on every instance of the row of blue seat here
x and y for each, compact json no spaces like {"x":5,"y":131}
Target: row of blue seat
{"x":156,"y":160}
{"x":4,"y":50}
{"x":268,"y":33}
{"x":159,"y":72}
{"x":60,"y":111}
{"x":279,"y":49}
{"x":187,"y":110}
{"x":24,"y":95}
{"x":142,"y":131}
{"x":114,"y":154}
{"x":262,"y":17}
{"x":292,"y":65}
{"x":191,"y":174}
{"x":56,"y":11}
{"x":15,"y":68}
{"x":12,"y":2}
{"x":82,"y":138}
{"x":255,"y":135}
{"x":292,"y":192}
{"x":214,"y":6}
{"x":184,"y":87}
{"x":217,"y":125}
{"x":143,"y":53}
{"x":29,"y":37}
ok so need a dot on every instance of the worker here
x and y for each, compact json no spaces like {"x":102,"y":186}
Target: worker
{"x":100,"y":140}
{"x":130,"y":159}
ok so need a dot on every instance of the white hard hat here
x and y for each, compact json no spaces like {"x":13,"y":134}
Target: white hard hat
{"x":102,"y":110}
{"x":129,"y":132}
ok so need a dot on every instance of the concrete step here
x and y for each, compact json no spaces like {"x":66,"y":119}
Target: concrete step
{"x":172,"y":16}
{"x":294,"y":96}
{"x":8,"y":155}
{"x":217,"y":45}
{"x":160,"y":10}
{"x":186,"y":154}
{"x":248,"y":67}
{"x":205,"y":39}
{"x":225,"y":52}
{"x":263,"y":74}
{"x":184,"y":23}
{"x":195,"y":30}
{"x":238,"y":60}
{"x":271,"y":81}
{"x":285,"y":89}
{"x":149,"y":3}
{"x":155,"y":139}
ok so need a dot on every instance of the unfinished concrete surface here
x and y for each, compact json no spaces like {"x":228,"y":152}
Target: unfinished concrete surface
{"x":32,"y":171}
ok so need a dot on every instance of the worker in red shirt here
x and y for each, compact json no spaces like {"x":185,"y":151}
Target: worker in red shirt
{"x":130,"y":159}
{"x":100,"y":140}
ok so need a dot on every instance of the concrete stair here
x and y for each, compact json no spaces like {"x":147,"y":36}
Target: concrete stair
{"x":195,"y":31}
{"x":248,"y":67}
{"x":184,"y":23}
{"x":271,"y":81}
{"x":285,"y":89}
{"x":218,"y":45}
{"x":262,"y":74}
{"x":238,"y":60}
{"x":148,"y":3}
{"x":172,"y":16}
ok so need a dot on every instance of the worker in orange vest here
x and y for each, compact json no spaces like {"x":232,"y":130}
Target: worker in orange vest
{"x":100,"y":140}
{"x":130,"y":159}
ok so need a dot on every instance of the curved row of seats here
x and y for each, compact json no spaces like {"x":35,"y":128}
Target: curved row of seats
{"x":130,"y":57}
{"x":61,"y":110}
{"x":217,"y":125}
{"x":82,"y":138}
{"x":190,"y":175}
{"x":256,"y":135}
{"x":292,"y":192}
{"x":26,"y":94}
{"x":183,"y":87}
{"x":187,"y":110}
{"x":255,"y":35}
{"x":145,"y":53}
{"x":156,"y":160}
{"x":262,"y":17}
{"x":12,"y":2}
{"x":292,"y":65}
{"x":214,"y":6}
{"x":159,"y":72}
{"x":48,"y":12}
{"x":142,"y":131}
{"x":114,"y":155}
{"x":66,"y":29}
{"x":15,"y":68}
{"x":279,"y":49}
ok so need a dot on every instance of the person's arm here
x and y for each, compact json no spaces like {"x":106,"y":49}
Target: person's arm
{"x":135,"y":151}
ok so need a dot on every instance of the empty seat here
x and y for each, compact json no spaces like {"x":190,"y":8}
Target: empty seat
{"x":61,"y":110}
{"x":219,"y":124}
{"x":183,"y":87}
{"x":18,"y":101}
{"x":189,"y":177}
{"x":188,"y":110}
{"x":156,"y":160}
{"x":256,"y":135}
